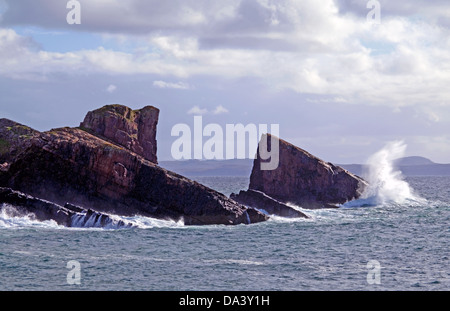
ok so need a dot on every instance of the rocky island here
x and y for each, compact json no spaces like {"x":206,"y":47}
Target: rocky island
{"x":300,"y":179}
{"x":108,"y":166}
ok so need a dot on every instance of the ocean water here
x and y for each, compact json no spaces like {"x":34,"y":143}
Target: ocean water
{"x":333,"y":250}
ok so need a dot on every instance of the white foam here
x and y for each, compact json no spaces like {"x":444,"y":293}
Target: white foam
{"x":282,"y":219}
{"x":148,"y":222}
{"x":233,"y":261}
{"x":248,"y":218}
{"x":386,"y":183}
{"x":9,"y":218}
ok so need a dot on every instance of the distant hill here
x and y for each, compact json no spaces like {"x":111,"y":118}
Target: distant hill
{"x":409,"y":166}
{"x":235,"y":167}
{"x":413,"y":161}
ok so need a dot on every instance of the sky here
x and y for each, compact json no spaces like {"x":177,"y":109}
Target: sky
{"x":338,"y":84}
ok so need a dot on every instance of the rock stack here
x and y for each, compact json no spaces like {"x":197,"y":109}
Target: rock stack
{"x":300,"y":179}
{"x":134,"y":130}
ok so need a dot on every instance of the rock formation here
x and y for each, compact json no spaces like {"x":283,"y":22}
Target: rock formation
{"x":263,"y":202}
{"x":21,"y":204}
{"x":14,"y":138}
{"x":109,"y":165}
{"x":302,"y":179}
{"x":134,"y":130}
{"x":94,"y":167}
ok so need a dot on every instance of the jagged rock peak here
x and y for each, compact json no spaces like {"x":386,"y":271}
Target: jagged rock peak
{"x":134,"y":130}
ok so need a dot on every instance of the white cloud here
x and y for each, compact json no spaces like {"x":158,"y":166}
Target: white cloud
{"x":171,"y":85}
{"x":197,"y":110}
{"x":327,"y":100}
{"x":220,"y":110}
{"x":111,"y":88}
{"x":306,"y":46}
{"x":324,"y":51}
{"x":202,"y":111}
{"x":125,"y":17}
{"x":432,"y":114}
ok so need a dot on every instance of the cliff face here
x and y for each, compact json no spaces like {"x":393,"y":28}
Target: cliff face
{"x":106,"y":174}
{"x":14,"y":138}
{"x":304,"y":180}
{"x":134,"y":130}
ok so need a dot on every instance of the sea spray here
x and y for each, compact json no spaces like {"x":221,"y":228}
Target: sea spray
{"x":248,"y":218}
{"x":91,"y":219}
{"x":385,"y":180}
{"x":10,"y":217}
{"x":386,"y":184}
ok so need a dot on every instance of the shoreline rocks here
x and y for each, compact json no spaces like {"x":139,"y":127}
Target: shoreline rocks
{"x":68,"y":215}
{"x":263,"y":202}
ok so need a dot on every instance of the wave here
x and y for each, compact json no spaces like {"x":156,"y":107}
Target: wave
{"x":10,"y":217}
{"x":386,"y":183}
{"x":233,"y":262}
{"x":282,"y":219}
{"x":144,"y":222}
{"x":91,"y":219}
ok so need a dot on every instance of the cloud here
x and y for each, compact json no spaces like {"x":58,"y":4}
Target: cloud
{"x":220,"y":110}
{"x":435,"y":11}
{"x":171,"y":85}
{"x":429,"y":145}
{"x":310,"y":47}
{"x":111,"y":88}
{"x":130,"y":17}
{"x":327,"y":100}
{"x":202,"y":111}
{"x":197,"y":110}
{"x":318,"y":60}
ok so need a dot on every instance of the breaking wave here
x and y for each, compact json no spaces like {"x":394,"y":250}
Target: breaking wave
{"x":11,"y":218}
{"x":95,"y":220}
{"x":386,"y":183}
{"x":143,"y":222}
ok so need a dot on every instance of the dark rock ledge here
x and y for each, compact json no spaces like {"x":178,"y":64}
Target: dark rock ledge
{"x":15,"y":203}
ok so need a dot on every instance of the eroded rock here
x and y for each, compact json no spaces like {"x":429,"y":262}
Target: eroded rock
{"x":134,"y":130}
{"x":303,"y":179}
{"x":86,"y":168}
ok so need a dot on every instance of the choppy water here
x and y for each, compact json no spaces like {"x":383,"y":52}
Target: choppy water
{"x":330,"y":251}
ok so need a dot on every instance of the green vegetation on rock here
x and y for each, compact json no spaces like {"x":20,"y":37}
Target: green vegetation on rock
{"x":4,"y":146}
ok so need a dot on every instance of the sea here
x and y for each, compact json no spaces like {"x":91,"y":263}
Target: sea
{"x":369,"y":245}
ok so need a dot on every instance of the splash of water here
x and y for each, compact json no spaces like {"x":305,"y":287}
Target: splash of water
{"x":92,"y":219}
{"x":386,"y":183}
{"x":10,"y":217}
